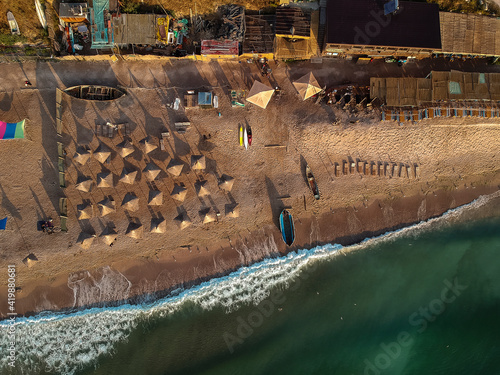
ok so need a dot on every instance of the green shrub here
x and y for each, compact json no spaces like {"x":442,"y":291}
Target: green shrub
{"x":9,"y":39}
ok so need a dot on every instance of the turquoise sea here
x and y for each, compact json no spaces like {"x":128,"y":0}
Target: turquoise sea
{"x":423,"y":300}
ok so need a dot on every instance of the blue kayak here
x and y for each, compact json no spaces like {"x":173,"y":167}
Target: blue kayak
{"x":287,"y":228}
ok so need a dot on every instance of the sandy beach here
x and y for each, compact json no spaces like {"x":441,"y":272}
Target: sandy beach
{"x":457,"y":161}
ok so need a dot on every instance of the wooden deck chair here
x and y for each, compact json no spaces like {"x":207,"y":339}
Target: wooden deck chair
{"x":64,"y":227}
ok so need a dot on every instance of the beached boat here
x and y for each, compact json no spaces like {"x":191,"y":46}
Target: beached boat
{"x":249,"y":132}
{"x":312,"y":182}
{"x":287,"y":228}
{"x":245,"y":139}
{"x":14,"y":27}
{"x":240,"y":134}
{"x":41,"y":13}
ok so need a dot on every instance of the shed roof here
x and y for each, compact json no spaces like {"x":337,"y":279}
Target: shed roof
{"x":134,"y":29}
{"x":362,"y":22}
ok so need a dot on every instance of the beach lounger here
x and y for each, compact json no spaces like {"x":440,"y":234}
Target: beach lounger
{"x":64,"y":227}
{"x":353,"y":167}
{"x":417,"y":171}
{"x":62,"y":180}
{"x":61,"y":164}
{"x":408,"y":173}
{"x":60,"y":149}
{"x":386,"y":165}
{"x":98,"y":129}
{"x":379,"y":168}
{"x":360,"y":166}
{"x":393,"y":169}
{"x":63,"y":206}
{"x":400,"y":170}
{"x":373,"y":169}
{"x":337,"y":170}
{"x":344,"y":167}
{"x":365,"y":168}
{"x":127,"y":129}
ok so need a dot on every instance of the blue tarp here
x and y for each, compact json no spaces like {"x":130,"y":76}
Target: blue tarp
{"x":3,"y":224}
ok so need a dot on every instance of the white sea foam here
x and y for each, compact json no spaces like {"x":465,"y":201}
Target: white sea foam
{"x":65,"y":343}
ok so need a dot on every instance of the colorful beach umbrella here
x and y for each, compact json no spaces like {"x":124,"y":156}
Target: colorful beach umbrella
{"x":11,"y":130}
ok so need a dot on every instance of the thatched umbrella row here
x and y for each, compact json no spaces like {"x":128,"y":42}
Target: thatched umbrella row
{"x":158,"y":225}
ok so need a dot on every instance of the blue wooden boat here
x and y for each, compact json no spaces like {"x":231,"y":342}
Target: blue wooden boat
{"x":287,"y":228}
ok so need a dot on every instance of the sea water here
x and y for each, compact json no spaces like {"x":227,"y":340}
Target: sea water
{"x":422,"y":300}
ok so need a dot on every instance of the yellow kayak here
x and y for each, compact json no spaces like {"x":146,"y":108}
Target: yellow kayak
{"x":241,"y":135}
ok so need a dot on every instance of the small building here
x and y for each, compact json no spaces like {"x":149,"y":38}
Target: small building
{"x":361,"y":28}
{"x":293,"y":29}
{"x":73,"y":12}
{"x":205,"y":99}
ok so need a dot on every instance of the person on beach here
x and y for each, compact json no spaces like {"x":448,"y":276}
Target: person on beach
{"x":27,"y":83}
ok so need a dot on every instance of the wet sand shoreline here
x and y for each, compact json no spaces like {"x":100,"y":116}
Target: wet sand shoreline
{"x":190,"y":267}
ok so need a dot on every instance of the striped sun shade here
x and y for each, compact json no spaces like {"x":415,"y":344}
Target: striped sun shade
{"x":11,"y":130}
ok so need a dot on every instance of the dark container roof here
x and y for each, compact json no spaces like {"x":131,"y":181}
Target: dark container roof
{"x":363,"y":22}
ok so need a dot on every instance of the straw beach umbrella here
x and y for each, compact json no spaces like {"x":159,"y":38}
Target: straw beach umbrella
{"x":30,"y":260}
{"x":105,"y":180}
{"x":260,"y":94}
{"x":232,"y":210}
{"x":201,"y":188}
{"x":226,"y":182}
{"x":84,"y":211}
{"x":174,"y":167}
{"x":84,"y":183}
{"x":125,"y":148}
{"x":102,"y":153}
{"x":130,"y":202}
{"x":106,"y":206}
{"x":155,"y":198}
{"x":207,"y":216}
{"x":158,"y":225}
{"x":307,"y":86}
{"x":82,"y":155}
{"x":135,"y":230}
{"x":128,"y":176}
{"x":151,"y":171}
{"x":85,"y":240}
{"x":179,"y":193}
{"x":148,"y":145}
{"x":109,"y":235}
{"x":182,"y":221}
{"x":198,"y":162}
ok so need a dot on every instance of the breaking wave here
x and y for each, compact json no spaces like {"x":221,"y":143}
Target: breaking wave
{"x":66,"y":343}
